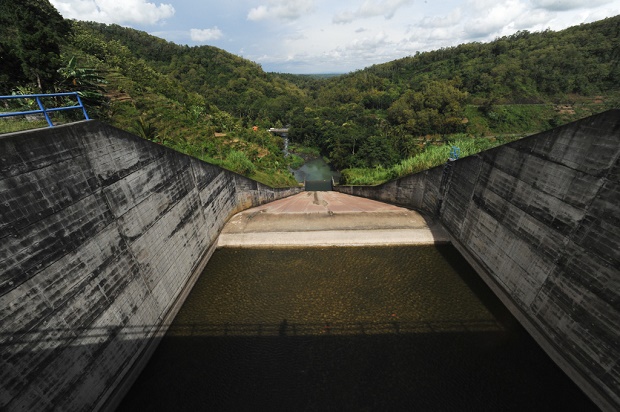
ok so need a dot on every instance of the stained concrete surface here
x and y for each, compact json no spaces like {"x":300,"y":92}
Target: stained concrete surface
{"x":329,"y":219}
{"x":539,"y":219}
{"x":101,"y":236}
{"x":101,"y":233}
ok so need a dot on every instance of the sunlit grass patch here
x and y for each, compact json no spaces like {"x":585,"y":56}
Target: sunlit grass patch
{"x":430,"y":157}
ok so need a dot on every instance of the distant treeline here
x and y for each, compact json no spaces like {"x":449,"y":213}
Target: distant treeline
{"x":204,"y":101}
{"x":387,"y":112}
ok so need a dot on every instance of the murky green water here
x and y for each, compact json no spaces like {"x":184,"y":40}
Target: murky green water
{"x":398,"y":328}
{"x":315,"y":169}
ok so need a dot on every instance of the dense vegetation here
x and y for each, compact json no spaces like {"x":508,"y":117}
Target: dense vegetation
{"x":374,"y":122}
{"x":518,"y":84}
{"x":30,"y":36}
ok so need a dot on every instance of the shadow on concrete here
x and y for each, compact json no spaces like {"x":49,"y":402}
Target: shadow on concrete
{"x":395,"y":371}
{"x":286,"y":328}
{"x":479,"y":288}
{"x":389,"y":364}
{"x":456,"y":371}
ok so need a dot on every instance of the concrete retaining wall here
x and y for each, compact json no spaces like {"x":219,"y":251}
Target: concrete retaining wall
{"x":540,"y":220}
{"x":101,"y":236}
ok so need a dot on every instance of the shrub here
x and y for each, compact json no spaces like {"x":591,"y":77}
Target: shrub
{"x":430,"y":157}
{"x":238,"y":162}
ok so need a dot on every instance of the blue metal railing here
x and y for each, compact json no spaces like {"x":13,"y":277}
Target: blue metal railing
{"x":455,"y":153}
{"x":42,"y":108}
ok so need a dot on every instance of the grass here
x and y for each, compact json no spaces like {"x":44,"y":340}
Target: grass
{"x":11,"y":125}
{"x":503,"y":123}
{"x":294,"y":161}
{"x":304,"y":150}
{"x":430,"y":157}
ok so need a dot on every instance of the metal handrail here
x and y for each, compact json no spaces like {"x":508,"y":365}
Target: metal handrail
{"x":42,"y":108}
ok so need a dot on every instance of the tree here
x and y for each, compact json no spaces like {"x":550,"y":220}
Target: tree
{"x":437,"y":109}
{"x":75,"y":77}
{"x":31,"y":32}
{"x":145,"y":129}
{"x":87,"y":82}
{"x":377,"y":151}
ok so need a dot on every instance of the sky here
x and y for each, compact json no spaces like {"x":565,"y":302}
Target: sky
{"x":329,"y":36}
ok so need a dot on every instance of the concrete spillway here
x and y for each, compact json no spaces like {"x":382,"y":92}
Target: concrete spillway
{"x":539,"y":219}
{"x":329,"y":219}
{"x":102,"y":234}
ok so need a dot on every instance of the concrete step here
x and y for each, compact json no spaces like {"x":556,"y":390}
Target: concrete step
{"x":329,"y":219}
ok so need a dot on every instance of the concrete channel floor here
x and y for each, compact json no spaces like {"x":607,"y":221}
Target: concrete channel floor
{"x":329,"y":219}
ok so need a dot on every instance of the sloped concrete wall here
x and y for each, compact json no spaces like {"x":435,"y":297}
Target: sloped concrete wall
{"x":540,"y":220}
{"x":102,"y":234}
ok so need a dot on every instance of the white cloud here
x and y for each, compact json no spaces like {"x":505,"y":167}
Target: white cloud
{"x":114,"y":11}
{"x":295,"y":36}
{"x":481,"y":28}
{"x":534,"y":20}
{"x":201,"y":35}
{"x":367,"y":45}
{"x":282,"y":9}
{"x":564,"y":5}
{"x":494,"y":20}
{"x":371,"y":8}
{"x":481,"y":5}
{"x":302,"y":37}
{"x":443,"y":21}
{"x":258,"y":13}
{"x":328,"y":51}
{"x":367,"y":49}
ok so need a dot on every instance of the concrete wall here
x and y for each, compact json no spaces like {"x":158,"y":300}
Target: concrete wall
{"x":101,"y":236}
{"x":540,"y":220}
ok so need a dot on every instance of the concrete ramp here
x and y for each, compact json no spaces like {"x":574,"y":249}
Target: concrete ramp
{"x":329,"y":219}
{"x":102,"y":235}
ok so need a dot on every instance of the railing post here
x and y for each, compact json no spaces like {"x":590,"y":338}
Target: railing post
{"x":82,"y":106}
{"x":44,"y":112}
{"x":42,"y":109}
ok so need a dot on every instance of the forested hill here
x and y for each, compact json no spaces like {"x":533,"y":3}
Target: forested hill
{"x":519,"y":84}
{"x":201,"y":101}
{"x":214,"y":105}
{"x":231,"y":83}
{"x":525,"y":67}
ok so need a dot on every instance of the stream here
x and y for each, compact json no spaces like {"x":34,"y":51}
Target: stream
{"x":316,"y":169}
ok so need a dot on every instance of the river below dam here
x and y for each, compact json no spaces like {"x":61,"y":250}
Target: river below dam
{"x":408,"y":328}
{"x":315,"y":169}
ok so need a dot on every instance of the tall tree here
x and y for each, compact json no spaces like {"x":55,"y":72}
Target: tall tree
{"x":438,"y":108}
{"x":31,"y":32}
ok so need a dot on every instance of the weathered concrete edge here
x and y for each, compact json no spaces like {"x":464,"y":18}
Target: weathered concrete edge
{"x":588,"y":149}
{"x":250,"y":193}
{"x":121,"y":387}
{"x":327,"y":238}
{"x":586,"y":385}
{"x":217,"y":198}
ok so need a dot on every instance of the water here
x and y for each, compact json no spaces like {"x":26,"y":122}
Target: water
{"x":388,"y":329}
{"x":315,"y":169}
{"x":285,"y":137}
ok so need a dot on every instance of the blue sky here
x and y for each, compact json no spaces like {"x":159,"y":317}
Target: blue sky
{"x":323,"y":36}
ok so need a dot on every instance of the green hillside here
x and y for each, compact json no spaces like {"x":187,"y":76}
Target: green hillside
{"x":372,"y":124}
{"x":515,"y":85}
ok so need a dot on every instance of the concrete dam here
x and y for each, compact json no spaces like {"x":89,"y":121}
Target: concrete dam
{"x":103,"y":234}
